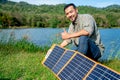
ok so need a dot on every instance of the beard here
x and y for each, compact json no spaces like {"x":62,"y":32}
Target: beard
{"x":73,"y":18}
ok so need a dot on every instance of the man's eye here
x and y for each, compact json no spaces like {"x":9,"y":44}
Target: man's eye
{"x":71,"y":11}
{"x":66,"y":13}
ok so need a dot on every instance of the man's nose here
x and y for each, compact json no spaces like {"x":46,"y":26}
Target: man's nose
{"x":69,"y":15}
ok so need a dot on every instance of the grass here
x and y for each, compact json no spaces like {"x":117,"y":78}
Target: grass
{"x":22,"y":61}
{"x":24,"y":66}
{"x":113,"y":64}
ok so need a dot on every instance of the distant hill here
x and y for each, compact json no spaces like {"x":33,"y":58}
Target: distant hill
{"x":52,"y":8}
{"x":3,"y":1}
{"x":112,"y":8}
{"x":24,"y":14}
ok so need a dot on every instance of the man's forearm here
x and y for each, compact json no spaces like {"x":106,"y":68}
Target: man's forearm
{"x":79,"y":33}
{"x":66,"y":35}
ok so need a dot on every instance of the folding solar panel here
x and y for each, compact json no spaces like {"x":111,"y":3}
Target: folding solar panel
{"x":72,"y":65}
{"x":102,"y":73}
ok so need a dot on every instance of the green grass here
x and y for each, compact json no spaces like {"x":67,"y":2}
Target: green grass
{"x":22,"y":61}
{"x":113,"y":64}
{"x":24,"y":66}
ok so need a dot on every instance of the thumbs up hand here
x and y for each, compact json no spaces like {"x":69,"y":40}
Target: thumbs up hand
{"x":65,"y":35}
{"x":64,"y":31}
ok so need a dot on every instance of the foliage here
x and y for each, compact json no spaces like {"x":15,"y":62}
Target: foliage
{"x":24,"y":14}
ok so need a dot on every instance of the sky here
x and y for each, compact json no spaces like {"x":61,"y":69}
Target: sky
{"x":94,"y":3}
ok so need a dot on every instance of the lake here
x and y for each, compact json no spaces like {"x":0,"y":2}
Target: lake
{"x":49,"y":36}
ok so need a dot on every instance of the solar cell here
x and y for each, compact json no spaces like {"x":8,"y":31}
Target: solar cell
{"x":77,"y":68}
{"x":54,"y":57}
{"x":72,"y":65}
{"x":102,"y":73}
{"x":62,"y":61}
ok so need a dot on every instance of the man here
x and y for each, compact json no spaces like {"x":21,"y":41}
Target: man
{"x":83,"y":33}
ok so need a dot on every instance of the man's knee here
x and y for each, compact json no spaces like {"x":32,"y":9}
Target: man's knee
{"x":83,"y":44}
{"x":83,"y":38}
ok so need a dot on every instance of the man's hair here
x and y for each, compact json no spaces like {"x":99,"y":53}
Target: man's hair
{"x":71,"y":4}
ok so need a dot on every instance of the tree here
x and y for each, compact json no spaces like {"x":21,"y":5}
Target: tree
{"x":112,"y":20}
{"x":101,"y":20}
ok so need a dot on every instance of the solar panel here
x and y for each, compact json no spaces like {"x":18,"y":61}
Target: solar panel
{"x":77,"y":68}
{"x":102,"y":73}
{"x":54,"y":57}
{"x":72,"y":65}
{"x":62,"y":61}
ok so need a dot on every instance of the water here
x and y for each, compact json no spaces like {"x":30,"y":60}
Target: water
{"x":46,"y":36}
{"x":111,"y":40}
{"x":38,"y":36}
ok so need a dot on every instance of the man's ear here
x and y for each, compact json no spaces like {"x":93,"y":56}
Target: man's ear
{"x":76,"y":10}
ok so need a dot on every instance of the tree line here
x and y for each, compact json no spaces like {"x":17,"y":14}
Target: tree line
{"x":13,"y":14}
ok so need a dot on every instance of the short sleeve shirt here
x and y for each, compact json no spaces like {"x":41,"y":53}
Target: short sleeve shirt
{"x":86,"y":22}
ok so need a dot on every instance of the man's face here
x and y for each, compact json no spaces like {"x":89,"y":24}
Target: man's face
{"x":71,"y":13}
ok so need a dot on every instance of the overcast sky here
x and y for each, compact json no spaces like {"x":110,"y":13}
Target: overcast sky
{"x":94,"y":3}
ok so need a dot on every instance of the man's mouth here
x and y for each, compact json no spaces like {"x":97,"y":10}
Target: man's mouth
{"x":71,"y":18}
